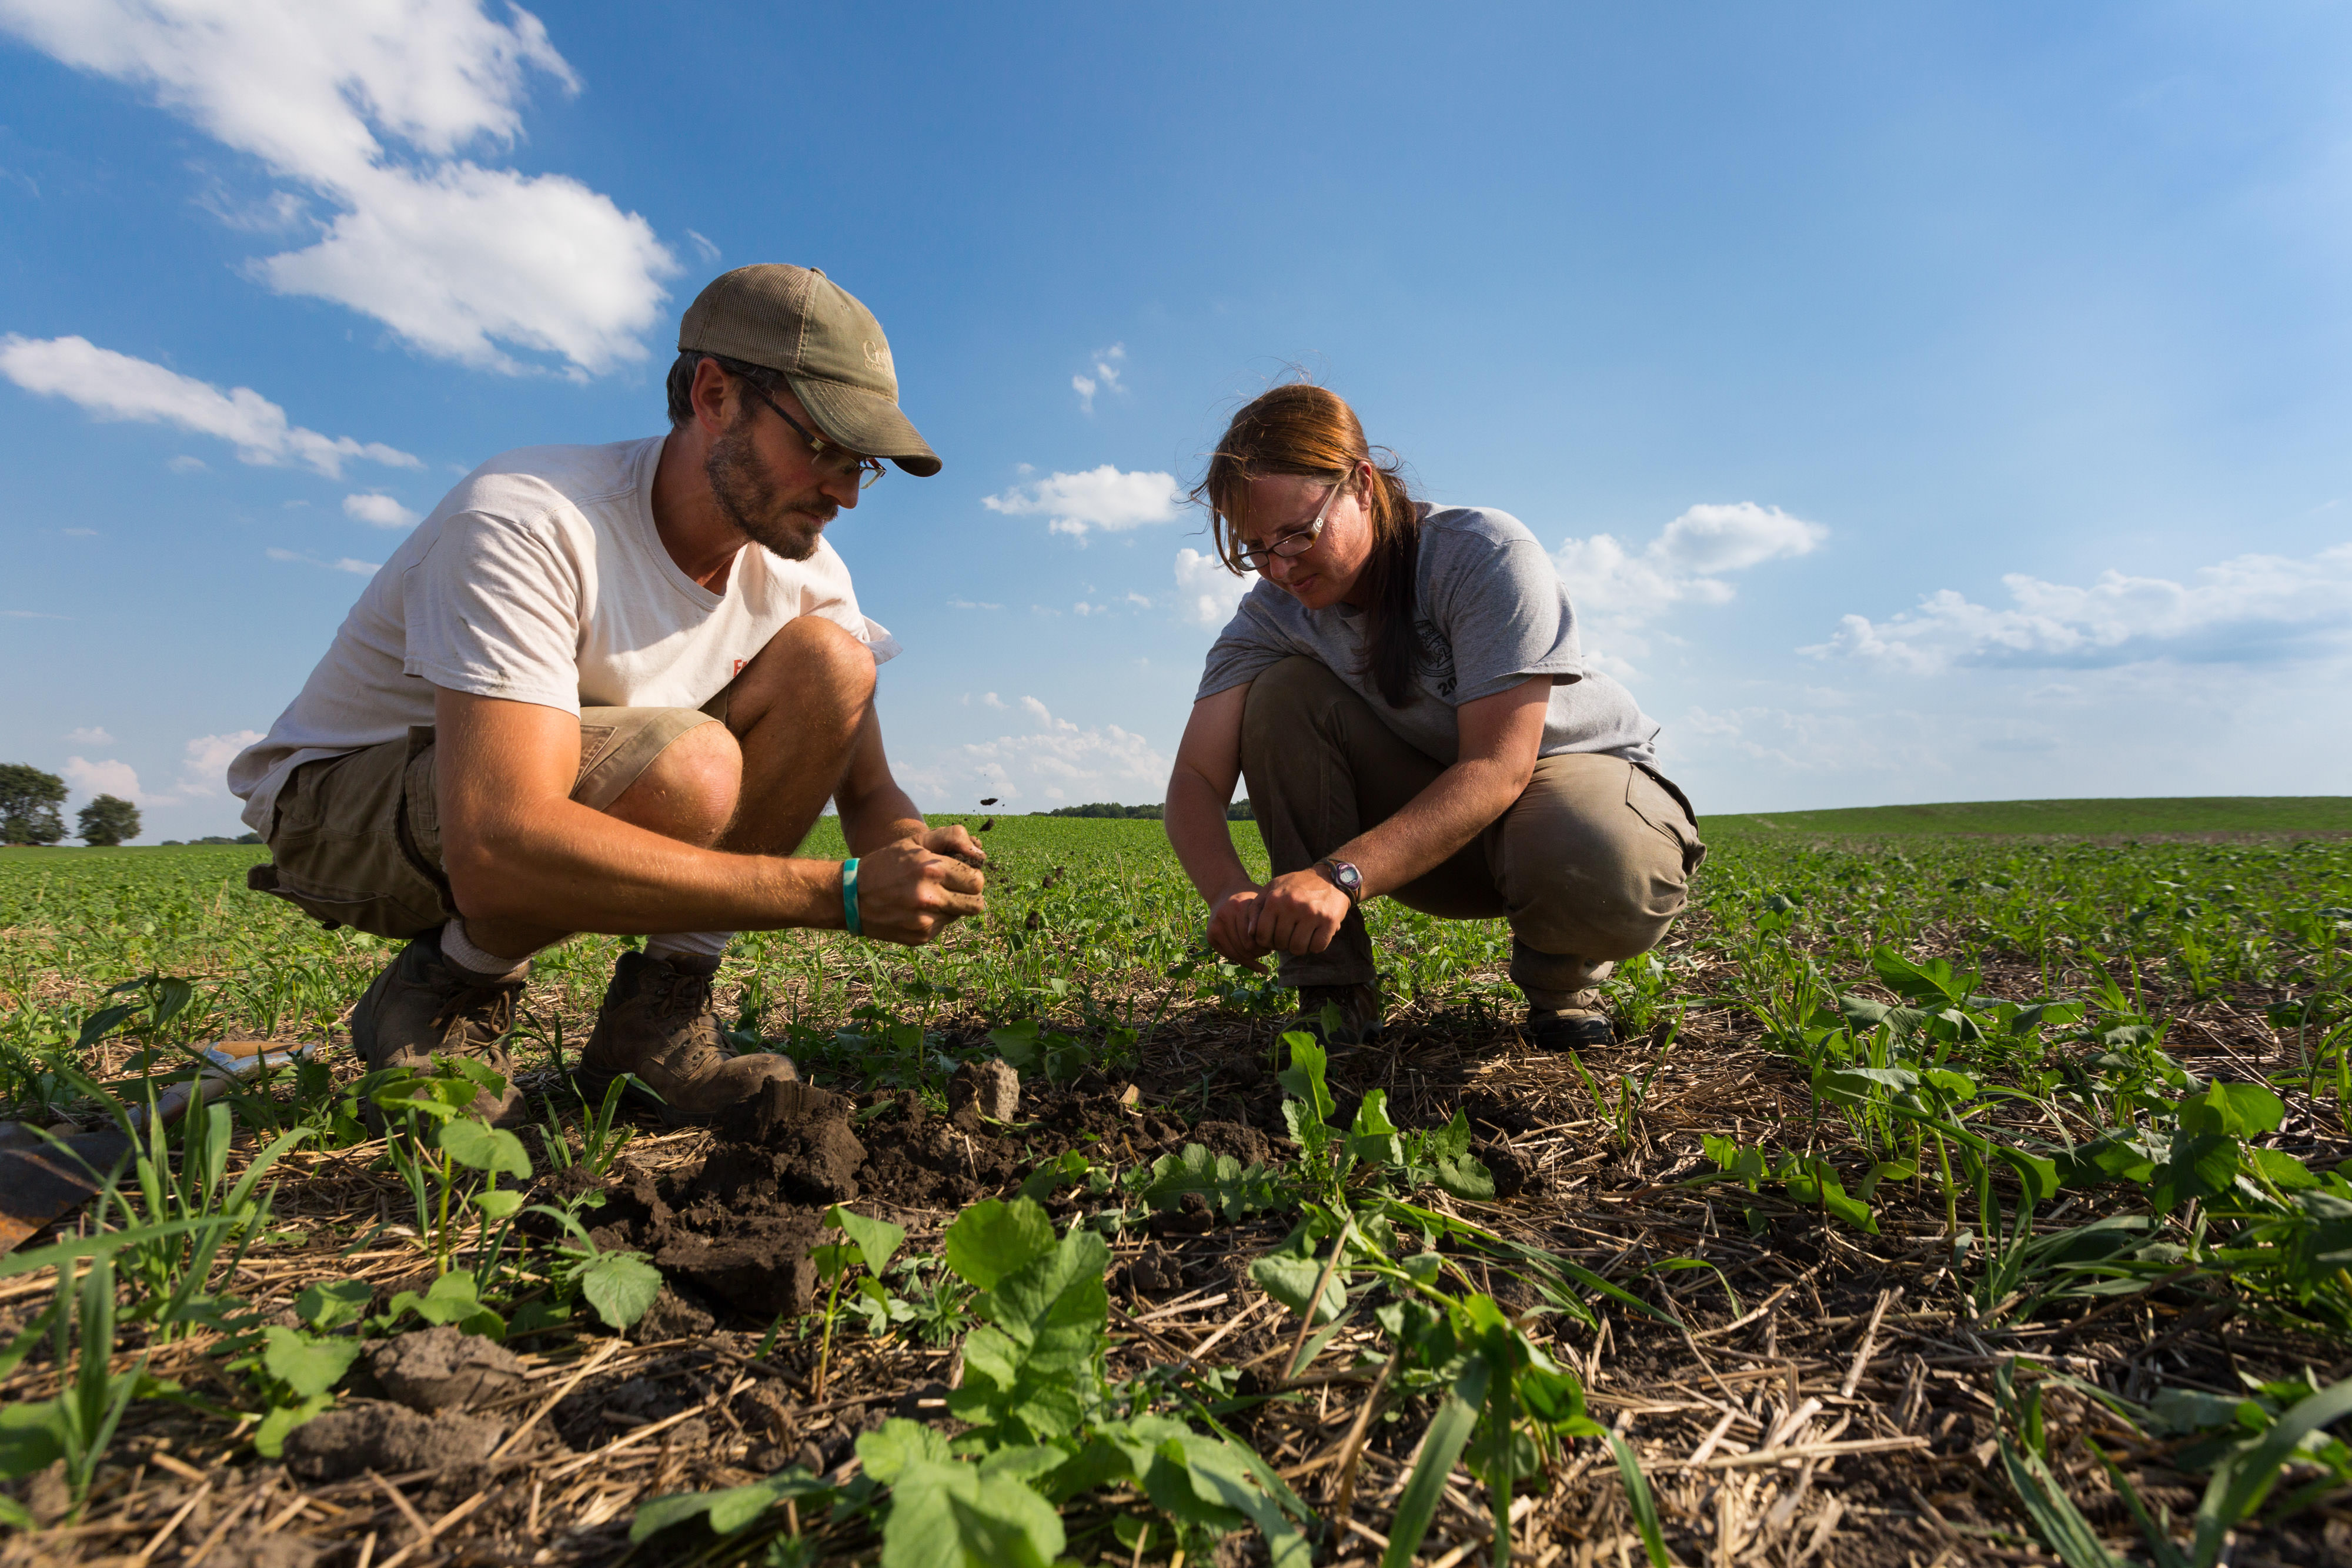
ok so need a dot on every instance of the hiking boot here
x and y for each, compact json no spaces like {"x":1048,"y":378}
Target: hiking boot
{"x":657,"y":1022}
{"x":1358,"y":1006}
{"x":1570,"y":1028}
{"x":423,"y":1006}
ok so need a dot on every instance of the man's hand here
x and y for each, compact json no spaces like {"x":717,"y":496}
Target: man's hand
{"x":953,"y":841}
{"x":1300,"y":911}
{"x":907,"y":894}
{"x":1231,"y":920}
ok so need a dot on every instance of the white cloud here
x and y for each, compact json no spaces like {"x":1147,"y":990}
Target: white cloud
{"x":1207,"y":588}
{"x":359,"y":568}
{"x":1140,"y":600}
{"x":116,"y":386}
{"x":1098,"y":499}
{"x":184,"y":464}
{"x":1108,"y":364}
{"x":972,"y":604}
{"x":107,"y":777}
{"x":379,"y":511}
{"x":456,"y":258}
{"x":79,"y":533}
{"x":91,"y":735}
{"x":1618,"y":591}
{"x":1039,"y":712}
{"x":203,"y":761}
{"x":2252,"y":609}
{"x":31,"y":615}
{"x":702,"y":245}
{"x":1054,"y":764}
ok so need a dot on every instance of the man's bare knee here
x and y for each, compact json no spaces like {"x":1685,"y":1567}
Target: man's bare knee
{"x":688,"y":792}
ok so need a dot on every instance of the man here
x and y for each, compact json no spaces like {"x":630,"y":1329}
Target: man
{"x":610,"y":688}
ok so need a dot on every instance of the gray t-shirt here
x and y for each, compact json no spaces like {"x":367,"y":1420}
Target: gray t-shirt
{"x":1490,"y":610}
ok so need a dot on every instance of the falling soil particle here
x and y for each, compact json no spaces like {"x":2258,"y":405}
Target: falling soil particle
{"x":445,"y":1369}
{"x":389,"y":1439}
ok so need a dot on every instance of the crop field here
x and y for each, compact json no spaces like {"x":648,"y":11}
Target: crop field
{"x":1965,"y":1189}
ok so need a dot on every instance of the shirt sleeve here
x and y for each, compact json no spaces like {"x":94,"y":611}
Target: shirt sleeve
{"x":1507,"y":614}
{"x":493,"y":608}
{"x":1248,"y":646}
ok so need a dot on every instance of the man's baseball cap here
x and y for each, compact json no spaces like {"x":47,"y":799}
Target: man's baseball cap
{"x":829,"y":347}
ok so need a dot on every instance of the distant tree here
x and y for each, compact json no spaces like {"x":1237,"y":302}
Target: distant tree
{"x":1239,"y":812}
{"x":29,"y":799}
{"x":1106,"y":808}
{"x":107,"y":821}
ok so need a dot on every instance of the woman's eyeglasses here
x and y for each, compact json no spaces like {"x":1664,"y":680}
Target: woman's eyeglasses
{"x":1297,"y":542}
{"x":832,"y":456}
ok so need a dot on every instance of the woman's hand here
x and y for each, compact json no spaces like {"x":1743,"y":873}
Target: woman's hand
{"x":1300,"y":911}
{"x":1231,"y":919}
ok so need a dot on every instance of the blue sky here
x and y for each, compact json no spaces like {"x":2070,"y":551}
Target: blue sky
{"x":1932,"y":403}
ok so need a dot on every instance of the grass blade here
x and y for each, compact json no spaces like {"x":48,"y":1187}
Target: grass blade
{"x":1637,"y":1496}
{"x":1439,"y":1449}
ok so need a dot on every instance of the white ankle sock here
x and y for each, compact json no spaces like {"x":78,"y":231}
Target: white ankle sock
{"x":688,"y":943}
{"x":459,"y":950}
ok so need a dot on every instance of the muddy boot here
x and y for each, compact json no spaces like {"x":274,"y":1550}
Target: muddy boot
{"x":1570,"y":1020}
{"x":658,"y":1023}
{"x":421,"y":1007}
{"x":1358,"y":1006}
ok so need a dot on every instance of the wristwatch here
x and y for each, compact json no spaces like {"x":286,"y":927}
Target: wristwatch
{"x":1345,"y":877}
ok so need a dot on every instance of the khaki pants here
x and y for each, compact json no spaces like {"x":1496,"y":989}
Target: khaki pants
{"x":355,"y":840}
{"x":1589,"y":864}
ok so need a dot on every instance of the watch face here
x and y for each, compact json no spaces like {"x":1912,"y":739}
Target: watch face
{"x":1349,"y":876}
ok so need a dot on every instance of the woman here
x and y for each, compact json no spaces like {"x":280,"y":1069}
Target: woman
{"x":1403,"y":692}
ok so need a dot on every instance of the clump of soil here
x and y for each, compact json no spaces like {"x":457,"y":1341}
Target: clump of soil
{"x":445,"y":1369}
{"x":737,"y":1228}
{"x":389,"y":1439}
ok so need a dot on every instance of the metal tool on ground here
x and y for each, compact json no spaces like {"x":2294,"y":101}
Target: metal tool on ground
{"x":47,"y":1175}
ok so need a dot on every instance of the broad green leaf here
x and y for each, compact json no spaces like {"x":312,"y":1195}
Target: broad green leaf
{"x":306,"y":1364}
{"x":993,"y":1238}
{"x":877,"y":1239}
{"x":31,"y":1437}
{"x":621,"y":1286}
{"x":1029,"y":1368}
{"x":1231,"y":1190}
{"x":499,"y":1203}
{"x":2243,"y":1110}
{"x":269,"y":1438}
{"x":331,"y":1303}
{"x":1933,"y":982}
{"x":1303,"y":1079}
{"x":898,"y":1443}
{"x":1465,"y":1177}
{"x":1290,"y":1279}
{"x":482,"y":1147}
{"x":2282,"y":1170}
{"x":951,"y":1516}
{"x":1371,"y":1136}
{"x":1452,"y":1141}
{"x":451,"y":1300}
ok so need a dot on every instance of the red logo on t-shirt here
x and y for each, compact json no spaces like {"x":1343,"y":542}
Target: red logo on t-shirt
{"x":739,"y":666}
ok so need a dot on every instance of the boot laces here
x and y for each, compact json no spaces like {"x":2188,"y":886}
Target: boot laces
{"x":682,"y":997}
{"x":482,"y":1014}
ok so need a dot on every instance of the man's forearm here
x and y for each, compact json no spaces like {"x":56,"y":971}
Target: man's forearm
{"x":883,"y":816}
{"x":568,"y":867}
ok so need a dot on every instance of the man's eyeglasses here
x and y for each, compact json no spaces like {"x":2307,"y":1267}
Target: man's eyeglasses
{"x":1297,"y":542}
{"x":830,"y":455}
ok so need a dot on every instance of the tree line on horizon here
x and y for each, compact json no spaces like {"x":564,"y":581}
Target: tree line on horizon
{"x":30,"y":800}
{"x":1236,"y":811}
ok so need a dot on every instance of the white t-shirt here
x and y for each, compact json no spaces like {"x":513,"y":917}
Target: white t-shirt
{"x":540,"y":579}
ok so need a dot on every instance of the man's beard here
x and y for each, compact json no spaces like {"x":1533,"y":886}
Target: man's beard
{"x":789,"y":526}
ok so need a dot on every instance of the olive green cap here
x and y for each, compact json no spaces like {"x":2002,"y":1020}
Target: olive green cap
{"x":829,"y":347}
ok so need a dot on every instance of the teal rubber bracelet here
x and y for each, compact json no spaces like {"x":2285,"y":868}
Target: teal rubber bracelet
{"x":849,"y":895}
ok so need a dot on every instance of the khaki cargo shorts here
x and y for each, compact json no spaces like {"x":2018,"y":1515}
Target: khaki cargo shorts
{"x":356,"y":840}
